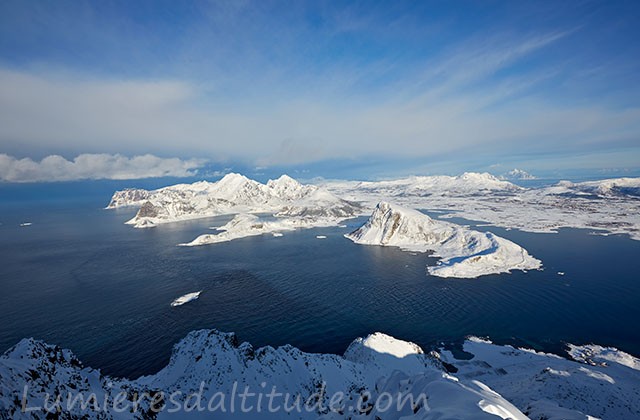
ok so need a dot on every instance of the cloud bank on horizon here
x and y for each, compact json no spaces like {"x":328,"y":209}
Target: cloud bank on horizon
{"x":275,"y":83}
{"x":94,"y":166}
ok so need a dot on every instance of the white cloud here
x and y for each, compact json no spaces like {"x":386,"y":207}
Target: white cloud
{"x":94,"y":166}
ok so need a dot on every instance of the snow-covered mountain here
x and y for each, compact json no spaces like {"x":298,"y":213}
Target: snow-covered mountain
{"x":128,"y":197}
{"x":464,"y":253}
{"x":604,"y":188}
{"x":43,"y":372}
{"x":378,"y":377}
{"x":234,"y":193}
{"x":517,"y":174}
{"x":469,"y":183}
{"x":211,"y":364}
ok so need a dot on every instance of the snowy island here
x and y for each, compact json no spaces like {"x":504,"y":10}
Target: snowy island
{"x":308,"y":205}
{"x":464,"y":253}
{"x":373,"y":375}
{"x":189,"y":297}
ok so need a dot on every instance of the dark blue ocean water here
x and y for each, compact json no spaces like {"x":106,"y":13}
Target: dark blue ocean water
{"x":80,"y":278}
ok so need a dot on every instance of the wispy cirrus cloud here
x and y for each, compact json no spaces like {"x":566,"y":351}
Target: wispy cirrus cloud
{"x":94,"y":166}
{"x":478,"y":60}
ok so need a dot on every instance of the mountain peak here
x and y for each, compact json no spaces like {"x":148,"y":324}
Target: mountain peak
{"x":233,"y":183}
{"x":283,"y":180}
{"x":518,"y":174}
{"x":233,"y":177}
{"x":478,"y":176}
{"x":287,"y":187}
{"x":384,"y":207}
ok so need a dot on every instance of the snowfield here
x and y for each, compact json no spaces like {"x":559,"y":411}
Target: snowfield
{"x":464,"y":253}
{"x":371,"y":377}
{"x":607,"y":206}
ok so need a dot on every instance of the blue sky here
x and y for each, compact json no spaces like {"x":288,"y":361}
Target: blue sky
{"x":361,"y":89}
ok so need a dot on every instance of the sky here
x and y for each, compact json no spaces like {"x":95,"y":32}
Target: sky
{"x":366,"y":90}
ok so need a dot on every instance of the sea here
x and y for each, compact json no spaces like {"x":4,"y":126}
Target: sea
{"x":78,"y":277}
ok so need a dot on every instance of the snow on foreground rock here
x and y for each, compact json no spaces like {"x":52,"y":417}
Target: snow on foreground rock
{"x":378,"y":377}
{"x":602,"y":382}
{"x":209,"y":371}
{"x":234,"y":193}
{"x":464,"y":253}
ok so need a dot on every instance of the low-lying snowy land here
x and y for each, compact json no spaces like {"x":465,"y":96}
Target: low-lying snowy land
{"x":464,"y":253}
{"x":244,"y":225}
{"x":377,"y":377}
{"x":607,"y":206}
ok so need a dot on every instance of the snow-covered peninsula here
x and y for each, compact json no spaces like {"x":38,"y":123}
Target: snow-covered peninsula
{"x":464,"y":253}
{"x":234,"y":193}
{"x":209,"y":371}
